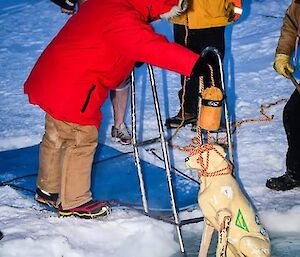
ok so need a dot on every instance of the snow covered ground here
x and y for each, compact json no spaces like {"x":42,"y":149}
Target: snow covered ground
{"x":27,"y":26}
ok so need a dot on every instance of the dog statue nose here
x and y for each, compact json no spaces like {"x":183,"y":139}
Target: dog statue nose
{"x":186,"y":159}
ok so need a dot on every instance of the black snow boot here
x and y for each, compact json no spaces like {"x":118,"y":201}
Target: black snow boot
{"x":282,"y":183}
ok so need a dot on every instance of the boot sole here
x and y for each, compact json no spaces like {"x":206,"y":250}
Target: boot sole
{"x":118,"y":140}
{"x":45,"y":202}
{"x":176,"y":125}
{"x":278,"y":188}
{"x":83,"y":215}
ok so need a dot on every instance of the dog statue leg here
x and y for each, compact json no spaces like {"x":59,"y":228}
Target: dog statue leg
{"x":255,"y":247}
{"x":224,"y":219}
{"x":206,"y":239}
{"x":232,"y":252}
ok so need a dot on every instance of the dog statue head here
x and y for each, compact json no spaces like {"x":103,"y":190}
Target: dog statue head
{"x":207,"y":158}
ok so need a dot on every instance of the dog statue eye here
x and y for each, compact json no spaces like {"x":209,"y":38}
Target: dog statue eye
{"x":186,"y":159}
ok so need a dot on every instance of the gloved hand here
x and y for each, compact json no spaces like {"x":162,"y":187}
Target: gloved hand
{"x":232,"y":12}
{"x":176,"y":10}
{"x":282,"y":65}
{"x":201,"y":67}
{"x":67,"y":6}
{"x":138,"y":64}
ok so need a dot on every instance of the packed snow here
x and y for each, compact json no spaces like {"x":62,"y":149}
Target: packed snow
{"x":27,"y":26}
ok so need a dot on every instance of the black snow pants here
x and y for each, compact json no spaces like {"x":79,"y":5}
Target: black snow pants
{"x":291,"y":122}
{"x":198,"y":40}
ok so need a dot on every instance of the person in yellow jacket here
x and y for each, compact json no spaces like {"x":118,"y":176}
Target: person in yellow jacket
{"x":202,"y":25}
{"x":287,"y":43}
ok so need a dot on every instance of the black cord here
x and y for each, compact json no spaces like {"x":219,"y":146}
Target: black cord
{"x":17,"y":178}
{"x":155,"y":216}
{"x":174,"y":168}
{"x":8,"y":182}
{"x":110,"y":158}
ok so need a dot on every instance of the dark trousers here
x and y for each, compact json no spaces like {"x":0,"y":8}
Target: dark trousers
{"x":291,"y":122}
{"x":198,"y":40}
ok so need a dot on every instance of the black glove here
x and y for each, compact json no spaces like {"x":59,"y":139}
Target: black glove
{"x":201,"y":67}
{"x":66,"y":4}
{"x":138,"y":64}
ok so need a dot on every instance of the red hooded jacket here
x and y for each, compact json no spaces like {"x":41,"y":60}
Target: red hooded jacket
{"x":95,"y":51}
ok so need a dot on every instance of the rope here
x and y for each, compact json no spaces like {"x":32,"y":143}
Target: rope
{"x":196,"y":142}
{"x":235,"y":125}
{"x":262,"y":111}
{"x":203,"y":172}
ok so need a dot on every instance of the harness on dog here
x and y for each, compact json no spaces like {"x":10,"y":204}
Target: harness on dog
{"x":203,"y":172}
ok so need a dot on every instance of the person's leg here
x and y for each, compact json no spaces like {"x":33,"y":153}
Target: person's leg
{"x":66,"y":156}
{"x":291,"y":122}
{"x":50,"y":158}
{"x":186,"y":111}
{"x":197,"y":41}
{"x":49,"y":174}
{"x":190,"y":85}
{"x":119,"y":99}
{"x":79,"y":146}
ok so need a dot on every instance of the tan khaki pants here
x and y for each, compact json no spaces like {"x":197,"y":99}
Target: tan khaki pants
{"x":66,"y":155}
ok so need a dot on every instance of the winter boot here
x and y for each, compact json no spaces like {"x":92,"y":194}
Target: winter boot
{"x":282,"y":183}
{"x":121,"y":135}
{"x":44,"y":197}
{"x":89,"y":210}
{"x":174,"y":122}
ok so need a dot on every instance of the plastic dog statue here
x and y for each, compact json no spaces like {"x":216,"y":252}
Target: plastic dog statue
{"x":225,"y":208}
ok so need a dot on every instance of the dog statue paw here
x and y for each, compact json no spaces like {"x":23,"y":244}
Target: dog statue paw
{"x":225,"y":208}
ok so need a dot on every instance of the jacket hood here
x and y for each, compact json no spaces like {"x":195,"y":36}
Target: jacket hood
{"x":153,"y":9}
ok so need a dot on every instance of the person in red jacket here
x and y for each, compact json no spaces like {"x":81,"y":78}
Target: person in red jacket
{"x":118,"y":97}
{"x":92,"y":54}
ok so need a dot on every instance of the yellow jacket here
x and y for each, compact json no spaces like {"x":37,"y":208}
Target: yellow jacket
{"x":206,"y":13}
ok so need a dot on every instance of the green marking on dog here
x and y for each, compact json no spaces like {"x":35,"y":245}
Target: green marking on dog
{"x":240,"y":221}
